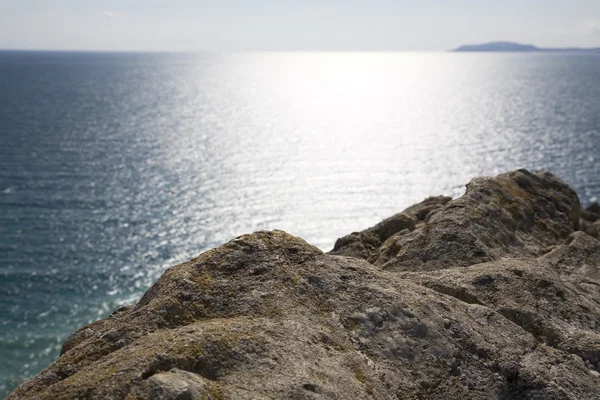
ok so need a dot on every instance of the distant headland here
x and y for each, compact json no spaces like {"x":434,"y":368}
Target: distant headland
{"x":517,"y":47}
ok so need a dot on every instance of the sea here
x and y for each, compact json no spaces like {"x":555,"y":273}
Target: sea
{"x":115,"y":166}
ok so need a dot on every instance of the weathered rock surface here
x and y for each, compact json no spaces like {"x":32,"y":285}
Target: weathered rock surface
{"x":365,"y":244}
{"x":589,"y":220}
{"x":495,"y":295}
{"x":518,"y":214}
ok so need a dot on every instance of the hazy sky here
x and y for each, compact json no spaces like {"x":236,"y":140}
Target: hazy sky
{"x":192,"y":25}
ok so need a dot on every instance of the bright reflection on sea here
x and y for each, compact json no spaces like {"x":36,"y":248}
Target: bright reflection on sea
{"x":114,"y":167}
{"x":321,"y":144}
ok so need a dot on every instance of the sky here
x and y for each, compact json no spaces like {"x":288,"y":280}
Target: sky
{"x":283,"y":25}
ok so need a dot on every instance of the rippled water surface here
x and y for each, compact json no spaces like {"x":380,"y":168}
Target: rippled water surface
{"x":115,"y":166}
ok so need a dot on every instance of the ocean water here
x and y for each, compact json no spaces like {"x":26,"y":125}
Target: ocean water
{"x":116,"y":166}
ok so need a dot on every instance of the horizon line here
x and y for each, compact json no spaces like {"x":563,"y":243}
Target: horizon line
{"x":225,"y":51}
{"x":221,"y":51}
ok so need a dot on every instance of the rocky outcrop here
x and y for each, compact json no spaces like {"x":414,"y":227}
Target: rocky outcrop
{"x":495,"y":295}
{"x":366,"y":244}
{"x":518,"y":214}
{"x":589,"y":220}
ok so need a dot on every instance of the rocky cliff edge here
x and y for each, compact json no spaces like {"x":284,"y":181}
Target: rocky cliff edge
{"x":494,"y":295}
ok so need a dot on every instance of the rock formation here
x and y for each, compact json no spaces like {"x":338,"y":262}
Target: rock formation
{"x":589,"y":220}
{"x":495,"y":295}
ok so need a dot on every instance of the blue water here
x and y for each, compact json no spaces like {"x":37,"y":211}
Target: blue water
{"x":115,"y":166}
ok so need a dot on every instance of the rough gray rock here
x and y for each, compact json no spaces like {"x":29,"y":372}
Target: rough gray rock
{"x":589,"y":220}
{"x":178,"y":384}
{"x":493,"y":296}
{"x":517,"y":214}
{"x":365,"y":244}
{"x":424,"y":210}
{"x":593,"y":208}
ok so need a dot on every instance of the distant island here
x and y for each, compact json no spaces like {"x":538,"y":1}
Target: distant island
{"x":517,"y":47}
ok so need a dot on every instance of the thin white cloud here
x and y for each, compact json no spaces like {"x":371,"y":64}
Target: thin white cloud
{"x":111,"y":14}
{"x":591,"y":26}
